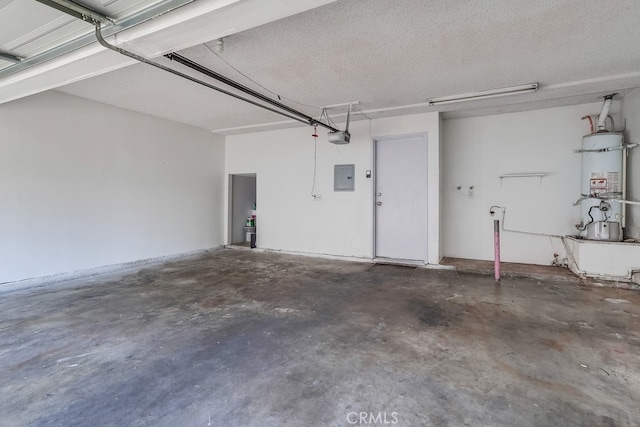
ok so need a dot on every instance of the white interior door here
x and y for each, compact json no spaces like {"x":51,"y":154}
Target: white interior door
{"x":401,"y":198}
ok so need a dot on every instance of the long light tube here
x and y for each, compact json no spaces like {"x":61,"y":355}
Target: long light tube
{"x":493,"y":93}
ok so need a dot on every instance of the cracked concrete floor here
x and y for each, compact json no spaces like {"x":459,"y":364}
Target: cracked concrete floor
{"x":242,"y":338}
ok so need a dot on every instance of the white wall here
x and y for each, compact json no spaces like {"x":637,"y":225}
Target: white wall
{"x":477,"y":150}
{"x":340,"y":223}
{"x":631,"y":111}
{"x":83,"y":185}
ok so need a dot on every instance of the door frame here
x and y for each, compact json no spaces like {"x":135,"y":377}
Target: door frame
{"x":374,"y":163}
{"x":230,"y":191}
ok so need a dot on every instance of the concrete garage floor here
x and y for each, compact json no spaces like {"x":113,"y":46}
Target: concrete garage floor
{"x":242,"y":338}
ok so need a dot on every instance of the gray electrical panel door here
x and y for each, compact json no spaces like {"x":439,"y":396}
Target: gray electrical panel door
{"x":344,"y":177}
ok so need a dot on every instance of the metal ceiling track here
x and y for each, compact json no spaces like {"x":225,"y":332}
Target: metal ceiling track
{"x":210,"y":73}
{"x":137,"y":57}
{"x":82,"y":12}
{"x":10,"y":58}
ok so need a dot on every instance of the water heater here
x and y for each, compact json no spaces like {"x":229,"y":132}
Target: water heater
{"x":602,"y":175}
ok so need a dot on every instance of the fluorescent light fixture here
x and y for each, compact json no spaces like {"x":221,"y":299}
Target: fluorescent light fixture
{"x":493,"y":93}
{"x":344,"y":104}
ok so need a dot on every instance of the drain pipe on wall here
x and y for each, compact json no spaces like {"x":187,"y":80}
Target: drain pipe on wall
{"x":602,"y":118}
{"x":496,"y":249}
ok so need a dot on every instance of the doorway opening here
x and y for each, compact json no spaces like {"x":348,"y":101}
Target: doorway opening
{"x":243,"y":215}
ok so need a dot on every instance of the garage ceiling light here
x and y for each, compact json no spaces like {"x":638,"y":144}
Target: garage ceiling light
{"x":493,"y":93}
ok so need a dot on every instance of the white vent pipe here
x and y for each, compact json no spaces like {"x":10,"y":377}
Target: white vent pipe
{"x":602,"y":118}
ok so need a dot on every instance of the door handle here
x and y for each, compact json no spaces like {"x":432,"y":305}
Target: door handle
{"x":379,"y":203}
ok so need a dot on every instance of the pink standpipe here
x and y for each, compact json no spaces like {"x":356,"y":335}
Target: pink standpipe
{"x":496,"y":248}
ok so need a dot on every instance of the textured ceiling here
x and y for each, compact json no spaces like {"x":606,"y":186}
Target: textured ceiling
{"x":394,"y":55}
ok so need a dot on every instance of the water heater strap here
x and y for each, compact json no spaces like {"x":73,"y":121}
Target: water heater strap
{"x":603,"y":150}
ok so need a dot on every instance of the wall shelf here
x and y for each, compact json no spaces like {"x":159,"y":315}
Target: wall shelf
{"x":539,"y":175}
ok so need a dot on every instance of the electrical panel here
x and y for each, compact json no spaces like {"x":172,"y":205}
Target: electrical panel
{"x":344,"y":177}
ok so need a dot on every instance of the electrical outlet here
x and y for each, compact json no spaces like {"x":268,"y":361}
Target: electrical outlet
{"x":317,"y":197}
{"x":470,"y":193}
